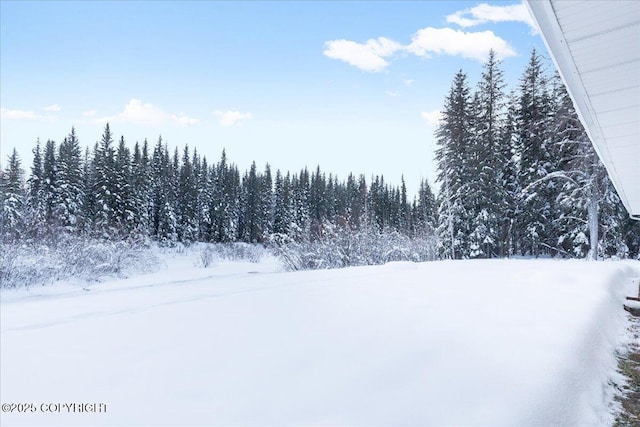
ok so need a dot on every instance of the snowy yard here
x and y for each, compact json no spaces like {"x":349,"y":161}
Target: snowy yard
{"x":494,"y":342}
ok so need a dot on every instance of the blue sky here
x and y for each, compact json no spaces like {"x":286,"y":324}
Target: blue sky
{"x":351,"y":86}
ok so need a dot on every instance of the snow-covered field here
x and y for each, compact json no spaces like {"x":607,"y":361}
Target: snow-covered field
{"x":496,"y":343}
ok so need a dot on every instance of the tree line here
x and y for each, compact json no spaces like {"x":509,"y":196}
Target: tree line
{"x":113,"y":192}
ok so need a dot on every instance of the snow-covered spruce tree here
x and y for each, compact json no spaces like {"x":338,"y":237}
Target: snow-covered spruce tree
{"x":353,"y":208}
{"x":334,"y":199}
{"x":12,"y":200}
{"x":104,"y":187}
{"x":379,"y":204}
{"x":68,"y":210}
{"x":374,"y":208}
{"x":359,"y":208}
{"x":486,"y":201}
{"x":251,"y":223}
{"x":35,"y":215}
{"x":299,"y":229}
{"x":187,"y":200}
{"x":218,"y":208}
{"x":537,"y":160}
{"x":340,"y":212}
{"x":266,"y":203}
{"x":233,"y":192}
{"x":231,"y":196}
{"x":509,"y":181}
{"x":89,"y":204}
{"x":203,"y":176}
{"x":282,"y":211}
{"x":196,"y":164}
{"x":217,"y":203}
{"x":124,"y":204}
{"x":453,"y":139}
{"x":49,"y":184}
{"x":225,"y":201}
{"x":163,"y":218}
{"x":423,"y":211}
{"x":140,"y":179}
{"x":404,"y":209}
{"x":317,"y":203}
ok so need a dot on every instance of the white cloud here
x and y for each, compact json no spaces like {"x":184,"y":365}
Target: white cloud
{"x":368,"y":56}
{"x":484,"y":13}
{"x":231,"y":118}
{"x":392,"y":94}
{"x":432,"y":118}
{"x":409,"y":82}
{"x":136,"y":112}
{"x":90,"y":113}
{"x":458,"y":43}
{"x":5,"y":113}
{"x":52,"y":108}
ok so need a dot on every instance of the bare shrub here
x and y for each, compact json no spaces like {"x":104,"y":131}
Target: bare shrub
{"x":337,"y":247}
{"x":206,"y":256}
{"x":71,"y":257}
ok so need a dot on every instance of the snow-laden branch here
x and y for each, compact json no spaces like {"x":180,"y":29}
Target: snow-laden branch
{"x":550,"y":176}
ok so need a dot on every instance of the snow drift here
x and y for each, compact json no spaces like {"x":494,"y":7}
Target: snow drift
{"x":498,"y":342}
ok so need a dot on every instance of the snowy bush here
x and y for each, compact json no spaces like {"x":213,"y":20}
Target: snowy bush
{"x":338,"y":247}
{"x":240,"y":251}
{"x":84,"y":259}
{"x":207,"y":254}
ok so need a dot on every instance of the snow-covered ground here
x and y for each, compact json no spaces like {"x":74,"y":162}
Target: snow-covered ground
{"x":496,"y":343}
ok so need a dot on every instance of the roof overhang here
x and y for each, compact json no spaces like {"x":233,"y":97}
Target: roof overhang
{"x":596,"y":48}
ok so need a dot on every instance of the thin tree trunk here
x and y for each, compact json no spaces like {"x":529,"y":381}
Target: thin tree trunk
{"x":592,"y":215}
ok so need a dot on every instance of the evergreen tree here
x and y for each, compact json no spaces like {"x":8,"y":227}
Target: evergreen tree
{"x":12,"y":197}
{"x":124,"y":204}
{"x":49,"y":184}
{"x":164,"y":221}
{"x":267,"y":203}
{"x":404,"y":212}
{"x":251,"y":223}
{"x":536,"y":160}
{"x":69,"y":196}
{"x":453,"y":139}
{"x":201,"y":169}
{"x":88,"y":179}
{"x":282,"y":210}
{"x":225,"y":202}
{"x":353,"y":208}
{"x":486,"y":202}
{"x":104,"y":186}
{"x":317,"y":202}
{"x":300,"y":228}
{"x":140,"y":180}
{"x":35,"y":220}
{"x":424,"y":211}
{"x":187,"y":200}
{"x":509,"y":181}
